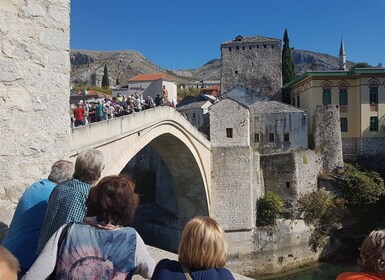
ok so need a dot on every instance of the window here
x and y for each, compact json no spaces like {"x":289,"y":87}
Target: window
{"x":229,"y":49}
{"x":344,"y":124}
{"x":271,"y":137}
{"x":286,"y":137}
{"x":272,"y":46}
{"x":256,"y":137}
{"x":343,"y":97}
{"x":229,"y":132}
{"x":373,"y":95}
{"x":298,"y":101}
{"x":236,"y":71}
{"x":250,"y":47}
{"x":193,"y":115}
{"x":373,"y":123}
{"x":252,"y":63}
{"x":287,"y":184}
{"x":326,"y":97}
{"x":264,"y":46}
{"x":243,"y":47}
{"x":293,"y":101}
{"x":257,"y":46}
{"x":237,"y":47}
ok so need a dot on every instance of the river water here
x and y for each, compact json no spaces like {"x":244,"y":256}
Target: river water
{"x":316,"y":272}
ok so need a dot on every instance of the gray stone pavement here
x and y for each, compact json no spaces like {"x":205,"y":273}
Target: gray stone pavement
{"x":159,"y":254}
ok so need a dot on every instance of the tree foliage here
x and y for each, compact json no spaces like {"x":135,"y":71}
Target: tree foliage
{"x":268,"y":209}
{"x":105,"y":80}
{"x":360,"y":188}
{"x":361,"y":65}
{"x":288,"y":69}
{"x":353,"y":205}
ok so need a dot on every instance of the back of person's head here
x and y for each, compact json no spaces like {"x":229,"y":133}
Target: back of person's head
{"x":89,"y":165}
{"x":203,"y":244}
{"x":113,"y":200}
{"x":61,"y":170}
{"x":9,"y":265}
{"x":372,"y":253}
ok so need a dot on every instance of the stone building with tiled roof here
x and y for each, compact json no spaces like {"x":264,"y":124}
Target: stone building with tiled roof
{"x":150,"y":85}
{"x":272,"y":126}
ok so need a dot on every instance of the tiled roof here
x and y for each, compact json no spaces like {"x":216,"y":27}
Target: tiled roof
{"x":271,"y":106}
{"x":151,"y":77}
{"x":252,"y":39}
{"x":193,"y":105}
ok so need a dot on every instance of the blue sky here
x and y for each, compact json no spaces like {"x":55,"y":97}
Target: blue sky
{"x":180,"y":34}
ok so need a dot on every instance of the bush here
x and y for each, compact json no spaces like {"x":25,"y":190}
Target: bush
{"x":268,"y":209}
{"x":360,"y":188}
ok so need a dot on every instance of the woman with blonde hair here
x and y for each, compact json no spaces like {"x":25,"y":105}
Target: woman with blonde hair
{"x":202,"y":254}
{"x":371,"y":263}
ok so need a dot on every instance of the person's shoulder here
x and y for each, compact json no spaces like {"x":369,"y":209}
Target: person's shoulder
{"x":167,"y":263}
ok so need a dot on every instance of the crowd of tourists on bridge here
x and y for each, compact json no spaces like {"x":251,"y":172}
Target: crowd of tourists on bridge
{"x":75,"y":225}
{"x":106,"y":108}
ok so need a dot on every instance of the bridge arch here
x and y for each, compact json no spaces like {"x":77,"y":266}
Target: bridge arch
{"x":185,"y":151}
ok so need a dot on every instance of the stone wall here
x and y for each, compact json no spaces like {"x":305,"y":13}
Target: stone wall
{"x":372,"y":146}
{"x":291,"y":175}
{"x":234,"y":187}
{"x":229,"y":114}
{"x":276,"y":249}
{"x":258,"y":69}
{"x":327,"y":136}
{"x":34,"y":94}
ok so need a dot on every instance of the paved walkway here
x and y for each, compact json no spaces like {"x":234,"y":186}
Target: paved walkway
{"x":159,"y":254}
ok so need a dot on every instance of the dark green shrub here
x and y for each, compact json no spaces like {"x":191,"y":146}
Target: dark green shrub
{"x":268,"y":209}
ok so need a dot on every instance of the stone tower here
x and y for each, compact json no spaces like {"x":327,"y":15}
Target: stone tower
{"x":253,"y":62}
{"x":342,"y":56}
{"x":327,"y":136}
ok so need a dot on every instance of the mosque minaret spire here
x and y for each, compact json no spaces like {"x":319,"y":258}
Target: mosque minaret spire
{"x":342,"y":61}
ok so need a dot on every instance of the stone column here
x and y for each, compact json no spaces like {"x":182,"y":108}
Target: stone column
{"x":34,"y":94}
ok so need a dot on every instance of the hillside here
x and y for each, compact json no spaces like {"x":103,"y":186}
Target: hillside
{"x":126,"y":64}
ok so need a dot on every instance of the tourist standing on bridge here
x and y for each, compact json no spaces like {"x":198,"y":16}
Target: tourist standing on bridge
{"x":202,"y":254}
{"x":68,"y":200}
{"x":100,"y":112}
{"x":23,"y":233}
{"x":371,"y":263}
{"x":102,"y":246}
{"x":79,"y":115}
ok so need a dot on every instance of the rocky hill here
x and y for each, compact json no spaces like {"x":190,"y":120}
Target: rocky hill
{"x":126,"y":64}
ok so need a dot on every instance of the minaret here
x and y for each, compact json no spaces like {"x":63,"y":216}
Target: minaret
{"x":342,"y":63}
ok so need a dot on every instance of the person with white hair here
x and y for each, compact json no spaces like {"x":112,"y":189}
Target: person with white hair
{"x":24,"y":230}
{"x":67,"y":202}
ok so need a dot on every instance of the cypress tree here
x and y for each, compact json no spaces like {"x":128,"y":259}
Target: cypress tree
{"x":105,"y":81}
{"x":288,"y":73}
{"x":117,"y":81}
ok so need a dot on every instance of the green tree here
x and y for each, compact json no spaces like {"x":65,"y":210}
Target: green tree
{"x":117,"y":81}
{"x":105,"y":81}
{"x":268,"y":209}
{"x":361,"y":65}
{"x":288,"y":70}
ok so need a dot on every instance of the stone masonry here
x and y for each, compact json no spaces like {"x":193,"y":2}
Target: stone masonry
{"x":253,"y":62}
{"x":327,"y":136}
{"x":34,"y":86}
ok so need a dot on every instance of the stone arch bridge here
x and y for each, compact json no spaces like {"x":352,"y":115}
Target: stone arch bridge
{"x":185,"y":151}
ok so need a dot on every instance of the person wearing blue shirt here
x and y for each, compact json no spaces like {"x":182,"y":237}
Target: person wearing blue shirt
{"x":23,"y":233}
{"x":67,"y":202}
